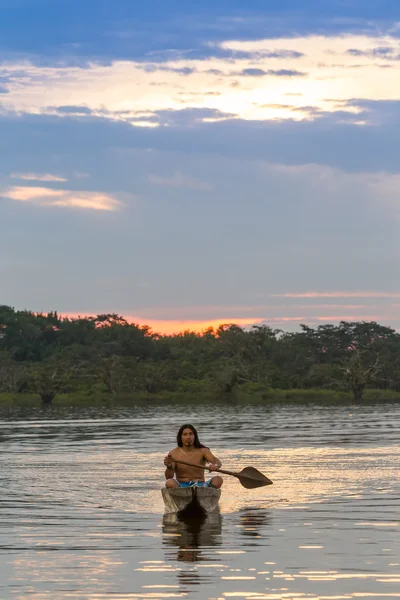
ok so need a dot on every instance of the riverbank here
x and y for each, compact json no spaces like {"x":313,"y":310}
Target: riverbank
{"x":241,"y":396}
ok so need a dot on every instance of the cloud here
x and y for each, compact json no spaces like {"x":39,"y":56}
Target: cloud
{"x":286,"y":73}
{"x":252,"y":72}
{"x":282,"y":54}
{"x":190,"y":116}
{"x":312,"y":320}
{"x":381,"y":52}
{"x":179,"y":180}
{"x":154,"y":67}
{"x":231,"y":54}
{"x":175,"y":29}
{"x":380,"y":190}
{"x":62,"y":198}
{"x":37,"y":177}
{"x":343,"y":145}
{"x":74,"y":110}
{"x":121,"y":90}
{"x":372,"y":294}
{"x":376,"y":112}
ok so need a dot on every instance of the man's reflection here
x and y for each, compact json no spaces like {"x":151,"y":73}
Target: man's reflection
{"x":192,"y":536}
{"x":194,"y":539}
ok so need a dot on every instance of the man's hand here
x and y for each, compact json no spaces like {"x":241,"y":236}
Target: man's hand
{"x":168,"y":461}
{"x":213,"y":467}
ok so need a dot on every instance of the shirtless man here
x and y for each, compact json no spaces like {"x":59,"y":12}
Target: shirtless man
{"x":190,"y":449}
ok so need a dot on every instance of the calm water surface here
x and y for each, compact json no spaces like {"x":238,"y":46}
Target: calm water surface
{"x":81,"y":514}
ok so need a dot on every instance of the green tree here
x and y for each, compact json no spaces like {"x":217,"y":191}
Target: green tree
{"x":12,"y":374}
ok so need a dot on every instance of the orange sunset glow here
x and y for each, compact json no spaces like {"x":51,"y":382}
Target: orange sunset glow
{"x":175,"y":326}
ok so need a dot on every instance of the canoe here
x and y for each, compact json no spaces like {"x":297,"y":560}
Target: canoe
{"x":194,"y":501}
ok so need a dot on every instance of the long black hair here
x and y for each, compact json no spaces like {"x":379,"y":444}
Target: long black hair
{"x":197,"y":443}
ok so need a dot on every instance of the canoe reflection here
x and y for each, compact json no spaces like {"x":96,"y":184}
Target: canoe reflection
{"x":192,"y":537}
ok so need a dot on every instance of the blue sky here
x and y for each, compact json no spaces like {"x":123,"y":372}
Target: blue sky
{"x":191,"y":163}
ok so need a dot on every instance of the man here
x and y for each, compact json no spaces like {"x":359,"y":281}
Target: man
{"x":190,"y":450}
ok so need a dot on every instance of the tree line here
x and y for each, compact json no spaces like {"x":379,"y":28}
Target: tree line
{"x":49,"y":354}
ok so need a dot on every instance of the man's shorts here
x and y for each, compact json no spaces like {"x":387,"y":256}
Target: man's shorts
{"x":185,"y":484}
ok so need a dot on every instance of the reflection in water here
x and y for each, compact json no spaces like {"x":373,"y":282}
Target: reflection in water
{"x":192,"y":536}
{"x":253,"y":523}
{"x":194,"y":540}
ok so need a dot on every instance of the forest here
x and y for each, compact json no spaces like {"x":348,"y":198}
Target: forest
{"x":47,"y":355}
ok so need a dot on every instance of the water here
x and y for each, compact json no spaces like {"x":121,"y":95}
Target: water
{"x":81,"y":514}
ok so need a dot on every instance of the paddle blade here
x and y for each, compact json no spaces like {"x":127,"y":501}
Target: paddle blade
{"x":251,"y":478}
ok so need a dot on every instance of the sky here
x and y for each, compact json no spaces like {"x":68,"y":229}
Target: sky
{"x":189,"y":164}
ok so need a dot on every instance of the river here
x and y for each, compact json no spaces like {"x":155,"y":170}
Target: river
{"x":81,"y":513}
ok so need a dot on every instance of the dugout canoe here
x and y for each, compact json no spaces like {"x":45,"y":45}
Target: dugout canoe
{"x":194,"y":501}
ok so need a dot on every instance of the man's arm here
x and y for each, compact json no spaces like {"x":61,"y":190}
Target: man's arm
{"x":169,"y":467}
{"x":169,"y":472}
{"x":213,"y":460}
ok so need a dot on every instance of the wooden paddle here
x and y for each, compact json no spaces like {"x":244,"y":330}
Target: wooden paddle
{"x":249,"y":477}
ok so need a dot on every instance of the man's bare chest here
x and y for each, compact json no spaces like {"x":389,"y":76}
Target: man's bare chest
{"x":185,"y":471}
{"x":195,"y":457}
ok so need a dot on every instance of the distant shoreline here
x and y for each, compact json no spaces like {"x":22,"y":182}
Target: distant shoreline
{"x":270,"y":396}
